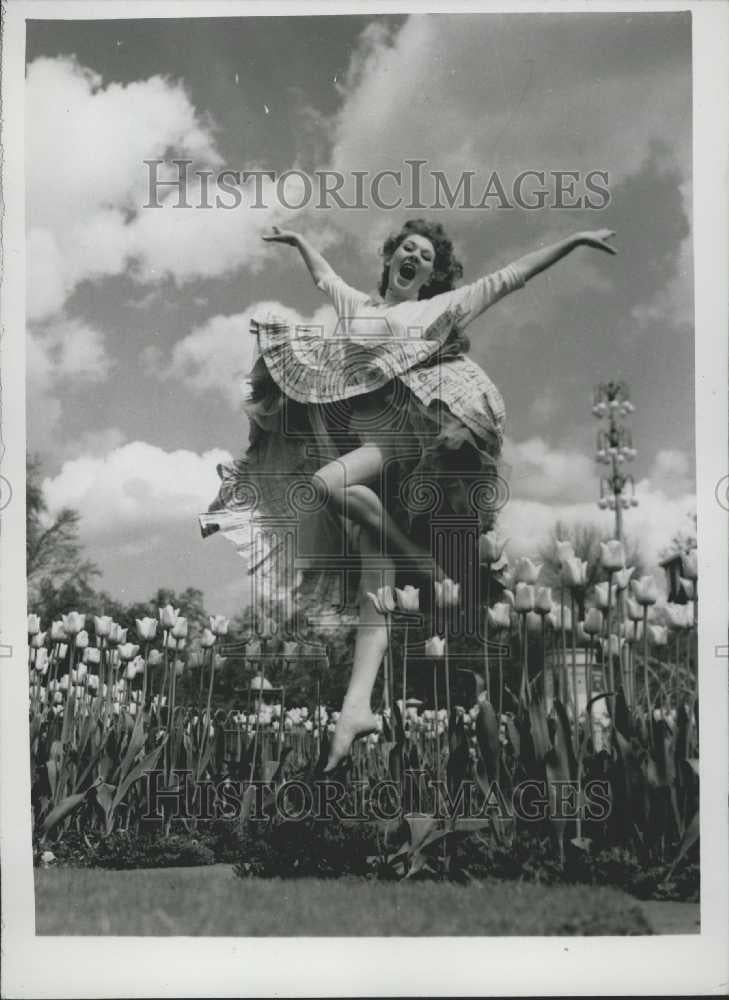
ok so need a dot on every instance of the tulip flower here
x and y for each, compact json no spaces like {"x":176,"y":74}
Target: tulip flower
{"x":253,"y":648}
{"x":170,"y":642}
{"x":82,"y":639}
{"x":79,"y":673}
{"x":658,"y":635}
{"x":689,"y":563}
{"x":146,"y":628}
{"x":34,"y":624}
{"x":612,"y":555}
{"x":565,"y":551}
{"x":128,"y":651}
{"x":179,"y":629}
{"x":543,"y":600}
{"x":574,"y":572}
{"x":622,"y":578}
{"x":491,"y":547}
{"x":558,"y":618}
{"x":447,"y":593}
{"x":632,"y":631}
{"x":219,"y":624}
{"x":689,"y":621}
{"x":102,"y":625}
{"x":612,"y":645}
{"x":645,"y":591}
{"x":408,"y":599}
{"x":58,"y":632}
{"x":602,"y":595}
{"x":168,"y":616}
{"x":435,"y":646}
{"x":593,"y":623}
{"x":582,"y":635}
{"x":524,"y":598}
{"x":675,"y":615}
{"x":92,"y":656}
{"x":635,"y":612}
{"x":208,"y":639}
{"x":73,"y":622}
{"x":40,"y":663}
{"x":508,"y":597}
{"x":687,"y":586}
{"x":117,"y":634}
{"x":500,"y":615}
{"x":266,"y":628}
{"x":383,"y":600}
{"x":526,"y":571}
{"x":94,"y":682}
{"x":179,"y":668}
{"x":62,"y":651}
{"x":38,"y":640}
{"x":154,"y":659}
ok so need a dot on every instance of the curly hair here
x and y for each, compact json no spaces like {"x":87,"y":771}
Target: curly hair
{"x":447,"y":269}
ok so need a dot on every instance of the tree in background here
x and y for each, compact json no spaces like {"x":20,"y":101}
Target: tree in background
{"x":59,"y":577}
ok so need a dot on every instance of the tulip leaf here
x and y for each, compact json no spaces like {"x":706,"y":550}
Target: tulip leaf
{"x":62,"y":810}
{"x":539,"y":729}
{"x":146,"y":764}
{"x":487,"y":737}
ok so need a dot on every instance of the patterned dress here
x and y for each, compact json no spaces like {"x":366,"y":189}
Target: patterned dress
{"x":394,"y":375}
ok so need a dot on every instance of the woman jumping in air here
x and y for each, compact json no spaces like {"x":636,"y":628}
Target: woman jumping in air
{"x":385,"y":401}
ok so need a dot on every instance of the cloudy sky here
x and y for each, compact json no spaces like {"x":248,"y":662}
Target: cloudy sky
{"x":138,"y":318}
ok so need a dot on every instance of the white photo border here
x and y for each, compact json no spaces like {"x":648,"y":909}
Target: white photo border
{"x":89,"y":967}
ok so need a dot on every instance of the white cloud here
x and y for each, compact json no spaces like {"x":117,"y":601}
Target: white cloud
{"x":488,"y":105}
{"x":67,"y":348}
{"x":541,"y":472}
{"x":135,"y":489}
{"x":86,"y":220}
{"x":549,"y":485}
{"x":218,"y":354}
{"x":65,"y":353}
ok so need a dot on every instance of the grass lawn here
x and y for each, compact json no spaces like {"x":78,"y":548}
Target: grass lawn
{"x":212,"y":901}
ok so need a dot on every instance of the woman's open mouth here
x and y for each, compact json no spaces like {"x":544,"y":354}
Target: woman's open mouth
{"x":408,"y":270}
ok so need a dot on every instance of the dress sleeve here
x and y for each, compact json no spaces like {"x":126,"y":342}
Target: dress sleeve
{"x":473,"y":299}
{"x":345,"y":299}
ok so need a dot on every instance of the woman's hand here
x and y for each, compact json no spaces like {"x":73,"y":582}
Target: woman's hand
{"x":598,"y":238}
{"x":286,"y":236}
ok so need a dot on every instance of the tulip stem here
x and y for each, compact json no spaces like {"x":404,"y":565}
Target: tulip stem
{"x":524,"y":688}
{"x":206,"y":728}
{"x":404,"y":673}
{"x":611,"y":673}
{"x":574,"y":670}
{"x":646,"y":682}
{"x":447,"y":675}
{"x":564,"y":690}
{"x":487,"y":674}
{"x":435,"y":732}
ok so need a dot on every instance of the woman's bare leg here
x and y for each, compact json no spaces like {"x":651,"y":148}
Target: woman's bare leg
{"x":345,"y":480}
{"x":356,"y":718}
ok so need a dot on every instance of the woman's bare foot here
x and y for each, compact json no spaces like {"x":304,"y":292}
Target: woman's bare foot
{"x":352,"y":723}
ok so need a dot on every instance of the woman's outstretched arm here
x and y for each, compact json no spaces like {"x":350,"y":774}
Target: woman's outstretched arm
{"x":318,"y":267}
{"x":539,"y":260}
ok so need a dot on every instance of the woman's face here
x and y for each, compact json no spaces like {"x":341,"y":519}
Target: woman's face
{"x":411,"y":266}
